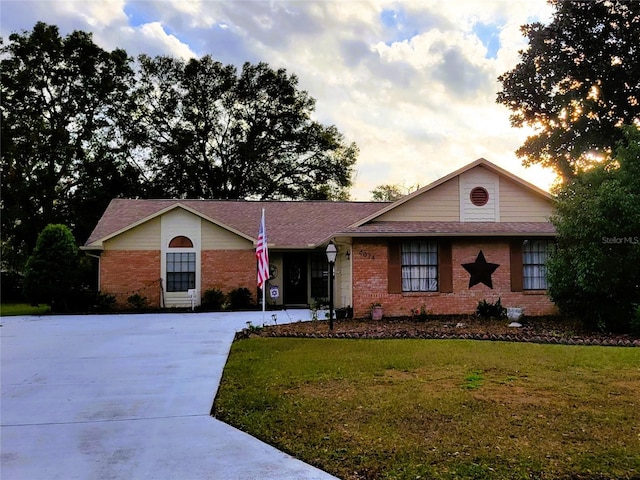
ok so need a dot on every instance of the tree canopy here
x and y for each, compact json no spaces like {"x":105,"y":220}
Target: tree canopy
{"x":81,"y":125}
{"x":60,"y":157}
{"x":594,"y":274}
{"x":576,"y":83}
{"x":387,"y":193}
{"x":211,"y":132}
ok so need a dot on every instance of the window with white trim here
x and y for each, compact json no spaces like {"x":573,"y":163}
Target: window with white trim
{"x":419,"y":266}
{"x":181,"y":271}
{"x":534,"y":259}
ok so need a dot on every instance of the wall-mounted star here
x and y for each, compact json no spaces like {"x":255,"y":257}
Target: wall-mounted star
{"x":480,"y":271}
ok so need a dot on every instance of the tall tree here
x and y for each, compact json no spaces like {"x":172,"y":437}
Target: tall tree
{"x":576,"y":83}
{"x":52,"y":271}
{"x":594,"y":273}
{"x":206,"y":131}
{"x":60,"y":156}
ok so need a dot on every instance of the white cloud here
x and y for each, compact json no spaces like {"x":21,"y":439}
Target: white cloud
{"x":413,"y":83}
{"x":160,"y":42}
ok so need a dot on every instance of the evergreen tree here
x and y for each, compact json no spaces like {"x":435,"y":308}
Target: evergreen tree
{"x":52,"y":272}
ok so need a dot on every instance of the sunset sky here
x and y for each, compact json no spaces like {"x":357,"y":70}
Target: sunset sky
{"x":413,"y":84}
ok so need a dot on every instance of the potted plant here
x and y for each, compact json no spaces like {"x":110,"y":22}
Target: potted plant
{"x":376,"y":311}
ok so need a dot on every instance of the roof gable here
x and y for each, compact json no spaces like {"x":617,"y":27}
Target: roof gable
{"x":443,"y":192}
{"x":123,"y":215}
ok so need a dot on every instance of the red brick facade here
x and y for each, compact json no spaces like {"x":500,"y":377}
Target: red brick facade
{"x":126,"y":272}
{"x":371,"y":272}
{"x":229,"y":269}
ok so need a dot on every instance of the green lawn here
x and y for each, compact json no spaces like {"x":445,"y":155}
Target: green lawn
{"x":426,"y":409}
{"x":7,"y":309}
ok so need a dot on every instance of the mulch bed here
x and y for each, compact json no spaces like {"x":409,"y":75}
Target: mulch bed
{"x":552,"y":330}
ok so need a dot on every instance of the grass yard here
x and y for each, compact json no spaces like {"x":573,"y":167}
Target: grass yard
{"x":431,"y":409}
{"x":9,"y":309}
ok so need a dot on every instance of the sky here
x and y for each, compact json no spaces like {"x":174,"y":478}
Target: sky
{"x":412,"y":83}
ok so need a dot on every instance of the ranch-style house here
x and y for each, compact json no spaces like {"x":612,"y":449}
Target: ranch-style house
{"x":479,"y":233}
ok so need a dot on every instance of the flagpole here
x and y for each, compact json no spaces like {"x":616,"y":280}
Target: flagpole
{"x":264,"y":285}
{"x":262,"y":254}
{"x":264,"y":290}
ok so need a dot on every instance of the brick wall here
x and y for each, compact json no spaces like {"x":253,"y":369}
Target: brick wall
{"x":126,"y":272}
{"x":229,"y":269}
{"x":370,"y":282}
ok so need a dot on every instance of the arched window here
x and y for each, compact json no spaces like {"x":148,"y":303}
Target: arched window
{"x":180,"y":242}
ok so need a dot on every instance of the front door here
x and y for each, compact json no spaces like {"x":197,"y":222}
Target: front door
{"x":295,"y":279}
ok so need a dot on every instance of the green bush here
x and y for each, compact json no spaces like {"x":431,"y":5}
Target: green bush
{"x":138,"y":302}
{"x":51,"y":273}
{"x":487,"y":310}
{"x":213,"y":300}
{"x":104,"y":302}
{"x":593,"y":273}
{"x":240,"y":299}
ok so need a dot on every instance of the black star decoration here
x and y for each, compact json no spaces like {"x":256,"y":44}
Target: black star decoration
{"x":480,"y":271}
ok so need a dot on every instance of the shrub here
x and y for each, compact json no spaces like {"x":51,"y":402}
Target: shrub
{"x":593,"y":274}
{"x":420,"y":313}
{"x":487,"y":310}
{"x":104,"y":302}
{"x":240,"y":299}
{"x":138,"y":302}
{"x":52,"y":271}
{"x":213,"y":300}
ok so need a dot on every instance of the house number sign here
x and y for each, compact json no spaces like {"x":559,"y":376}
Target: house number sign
{"x":367,"y":255}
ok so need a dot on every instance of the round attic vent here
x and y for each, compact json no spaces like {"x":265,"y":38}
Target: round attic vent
{"x":479,"y":196}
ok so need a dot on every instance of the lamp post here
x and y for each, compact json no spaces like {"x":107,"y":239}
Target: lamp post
{"x":332,"y":252}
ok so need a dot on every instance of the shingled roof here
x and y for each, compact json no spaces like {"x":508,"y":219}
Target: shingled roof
{"x":403,"y":228}
{"x":308,"y":224}
{"x":290,"y":224}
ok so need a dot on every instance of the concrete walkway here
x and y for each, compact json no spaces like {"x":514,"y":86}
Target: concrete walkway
{"x":127,"y":397}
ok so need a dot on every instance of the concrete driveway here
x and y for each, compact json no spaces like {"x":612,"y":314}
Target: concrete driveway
{"x":127,"y":397}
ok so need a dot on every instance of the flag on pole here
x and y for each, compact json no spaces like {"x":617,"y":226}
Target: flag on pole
{"x":262,"y":254}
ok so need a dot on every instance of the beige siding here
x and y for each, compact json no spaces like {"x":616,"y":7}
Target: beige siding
{"x":174,"y":223}
{"x":479,"y":177}
{"x":143,"y":237}
{"x":343,"y":291}
{"x":178,"y":300}
{"x":180,"y":222}
{"x":440,"y":204}
{"x":518,"y":204}
{"x":217,"y":238}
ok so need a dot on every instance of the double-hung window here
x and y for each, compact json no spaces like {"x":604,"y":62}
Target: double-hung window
{"x":181,"y":271}
{"x":534,"y":269}
{"x":419,"y":266}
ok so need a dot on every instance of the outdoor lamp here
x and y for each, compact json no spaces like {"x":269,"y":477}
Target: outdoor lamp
{"x":332,"y":252}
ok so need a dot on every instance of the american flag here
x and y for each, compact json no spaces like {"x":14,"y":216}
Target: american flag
{"x":262,"y":254}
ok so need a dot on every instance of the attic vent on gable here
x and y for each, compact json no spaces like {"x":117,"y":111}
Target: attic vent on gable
{"x":479,"y":196}
{"x":180,"y":242}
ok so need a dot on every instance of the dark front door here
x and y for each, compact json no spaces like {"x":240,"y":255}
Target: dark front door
{"x":295,"y":279}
